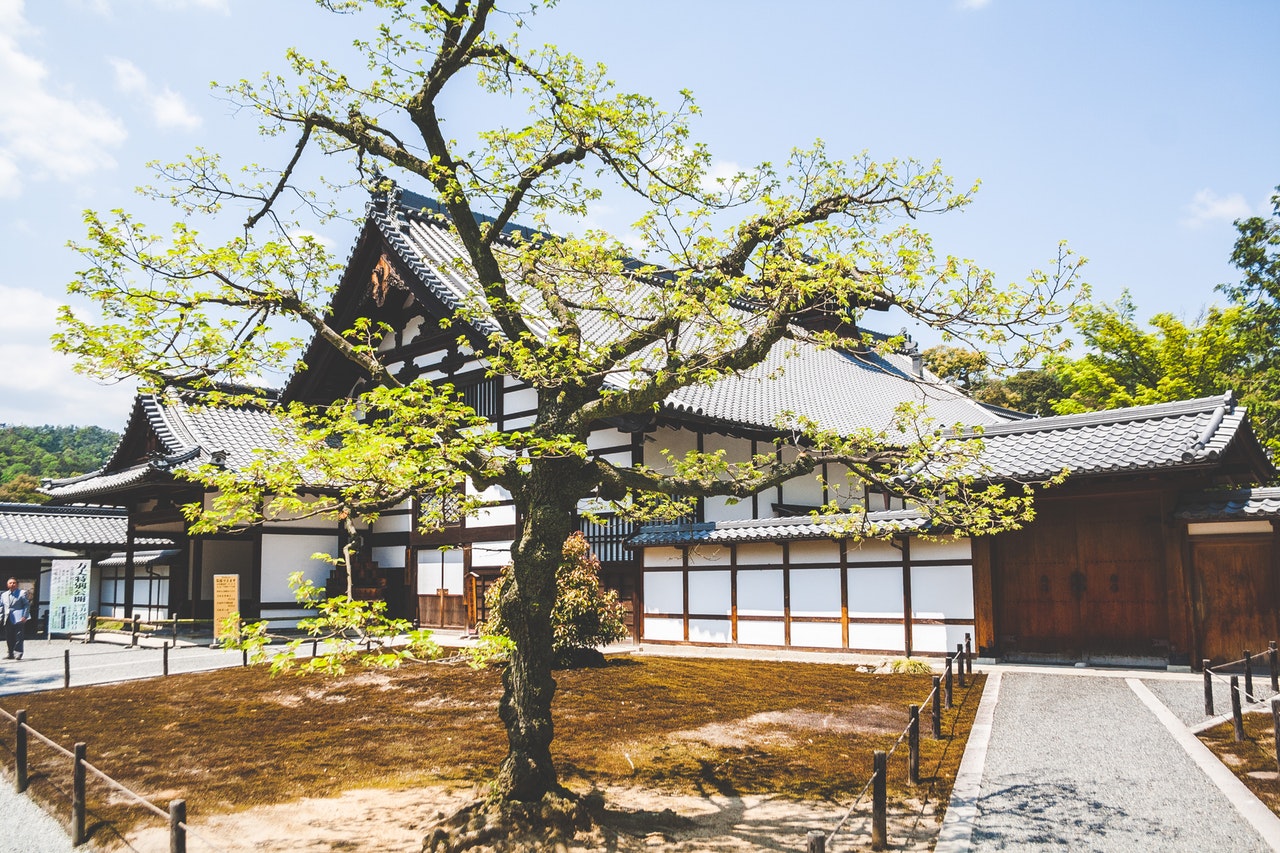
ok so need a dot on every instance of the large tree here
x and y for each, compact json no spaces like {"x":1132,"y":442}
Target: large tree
{"x":727,"y":266}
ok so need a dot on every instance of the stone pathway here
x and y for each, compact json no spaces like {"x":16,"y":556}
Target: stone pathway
{"x":1096,"y":762}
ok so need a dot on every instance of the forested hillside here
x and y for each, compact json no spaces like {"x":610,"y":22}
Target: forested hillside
{"x":28,"y":454}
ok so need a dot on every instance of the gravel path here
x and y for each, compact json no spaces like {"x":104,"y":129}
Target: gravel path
{"x":1079,"y":763}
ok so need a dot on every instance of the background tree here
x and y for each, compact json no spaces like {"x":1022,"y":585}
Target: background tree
{"x":1127,"y":366}
{"x":50,"y":451}
{"x":1033,"y":391}
{"x":736,"y":259}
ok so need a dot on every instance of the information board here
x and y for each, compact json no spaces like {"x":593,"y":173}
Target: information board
{"x":226,"y":600}
{"x":68,"y":596}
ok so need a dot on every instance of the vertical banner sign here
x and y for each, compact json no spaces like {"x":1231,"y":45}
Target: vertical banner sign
{"x":68,"y":596}
{"x":226,"y":600}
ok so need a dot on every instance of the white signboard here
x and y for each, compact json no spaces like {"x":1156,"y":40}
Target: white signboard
{"x":68,"y":596}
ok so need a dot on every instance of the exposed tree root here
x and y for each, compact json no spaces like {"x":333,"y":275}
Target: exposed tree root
{"x":513,"y":827}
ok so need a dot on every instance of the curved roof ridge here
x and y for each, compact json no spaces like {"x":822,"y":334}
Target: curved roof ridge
{"x":1226,"y":402}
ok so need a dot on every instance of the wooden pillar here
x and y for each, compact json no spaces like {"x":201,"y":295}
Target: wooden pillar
{"x":129,"y":569}
{"x":984,"y":627}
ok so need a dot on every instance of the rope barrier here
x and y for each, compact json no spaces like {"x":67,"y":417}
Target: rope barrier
{"x":841,"y":824}
{"x":1253,"y":699}
{"x":138,"y":798}
{"x":55,"y":747}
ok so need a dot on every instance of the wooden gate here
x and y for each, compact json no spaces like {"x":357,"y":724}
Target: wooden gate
{"x":1237,"y":595}
{"x":1082,"y":586}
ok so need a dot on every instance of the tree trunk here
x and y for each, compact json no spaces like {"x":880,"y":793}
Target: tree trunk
{"x":546,"y":506}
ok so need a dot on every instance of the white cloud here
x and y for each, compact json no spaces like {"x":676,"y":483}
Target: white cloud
{"x":720,"y":170}
{"x":1208,"y":206}
{"x":45,"y":132}
{"x":46,"y":390}
{"x":168,"y":109}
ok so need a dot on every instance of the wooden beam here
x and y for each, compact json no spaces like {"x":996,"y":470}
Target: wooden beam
{"x":984,"y":609}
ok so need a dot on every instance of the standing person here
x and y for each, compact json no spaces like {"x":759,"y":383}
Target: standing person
{"x":17,"y":609}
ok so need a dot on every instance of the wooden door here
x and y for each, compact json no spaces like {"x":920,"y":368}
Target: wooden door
{"x":1082,"y":583}
{"x":1124,"y":612}
{"x":1237,"y":595}
{"x":1037,"y":587}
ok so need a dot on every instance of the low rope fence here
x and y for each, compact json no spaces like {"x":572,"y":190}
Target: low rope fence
{"x":956,"y":668}
{"x":1239,"y":698}
{"x":176,"y":814}
{"x":136,"y":628}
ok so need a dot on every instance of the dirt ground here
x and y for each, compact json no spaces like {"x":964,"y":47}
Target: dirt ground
{"x":374,"y":821}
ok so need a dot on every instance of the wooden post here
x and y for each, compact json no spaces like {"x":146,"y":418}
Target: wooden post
{"x":913,"y":745}
{"x":947,"y":698}
{"x":1275,"y":725}
{"x":879,"y":802}
{"x":66,"y":668}
{"x":77,"y":797}
{"x":1236,"y":716}
{"x":960,"y":664}
{"x":166,"y":658}
{"x":315,"y":648}
{"x":816,"y":841}
{"x":133,"y":637}
{"x":1248,"y":677}
{"x":968,"y":652}
{"x":93,"y":626}
{"x":937,"y":708}
{"x":175,"y":630}
{"x":244,"y":657}
{"x":1275,"y":667}
{"x":1208,"y":689}
{"x":177,"y":826}
{"x":20,"y":752}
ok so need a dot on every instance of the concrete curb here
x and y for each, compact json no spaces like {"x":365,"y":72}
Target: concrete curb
{"x":1261,"y":818}
{"x":962,"y":810}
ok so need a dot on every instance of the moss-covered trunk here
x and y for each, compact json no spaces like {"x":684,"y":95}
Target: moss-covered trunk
{"x":546,"y":506}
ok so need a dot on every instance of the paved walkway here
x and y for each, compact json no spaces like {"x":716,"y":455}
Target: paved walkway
{"x":1097,"y":761}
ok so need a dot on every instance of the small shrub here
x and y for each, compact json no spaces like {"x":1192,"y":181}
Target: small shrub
{"x":585,"y":617}
{"x":911,"y":666}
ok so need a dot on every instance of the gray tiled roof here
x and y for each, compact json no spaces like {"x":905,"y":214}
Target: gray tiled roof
{"x":1165,"y":435}
{"x":779,"y":529}
{"x":119,"y":559}
{"x":1241,"y":504}
{"x":838,"y":390}
{"x":68,"y":526}
{"x":190,"y":435}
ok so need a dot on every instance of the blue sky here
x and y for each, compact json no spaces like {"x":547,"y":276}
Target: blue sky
{"x":1137,"y":131}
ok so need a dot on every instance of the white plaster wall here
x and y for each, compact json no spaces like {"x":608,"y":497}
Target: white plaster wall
{"x":709,"y":555}
{"x":678,"y":441}
{"x":818,"y":551}
{"x":608,"y":438}
{"x":393,"y":524}
{"x":942,"y":592}
{"x":664,"y":593}
{"x":710,"y":631}
{"x":875,"y":592}
{"x":519,"y":400}
{"x":661,"y":557}
{"x":663,"y":629}
{"x":762,"y":633}
{"x":759,"y":593}
{"x":938,"y":638}
{"x":284,"y":555}
{"x":823,"y":635}
{"x":951,"y":548}
{"x":886,"y":638}
{"x":873,"y":551}
{"x":759,"y":554}
{"x":815,"y":592}
{"x":710,"y":592}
